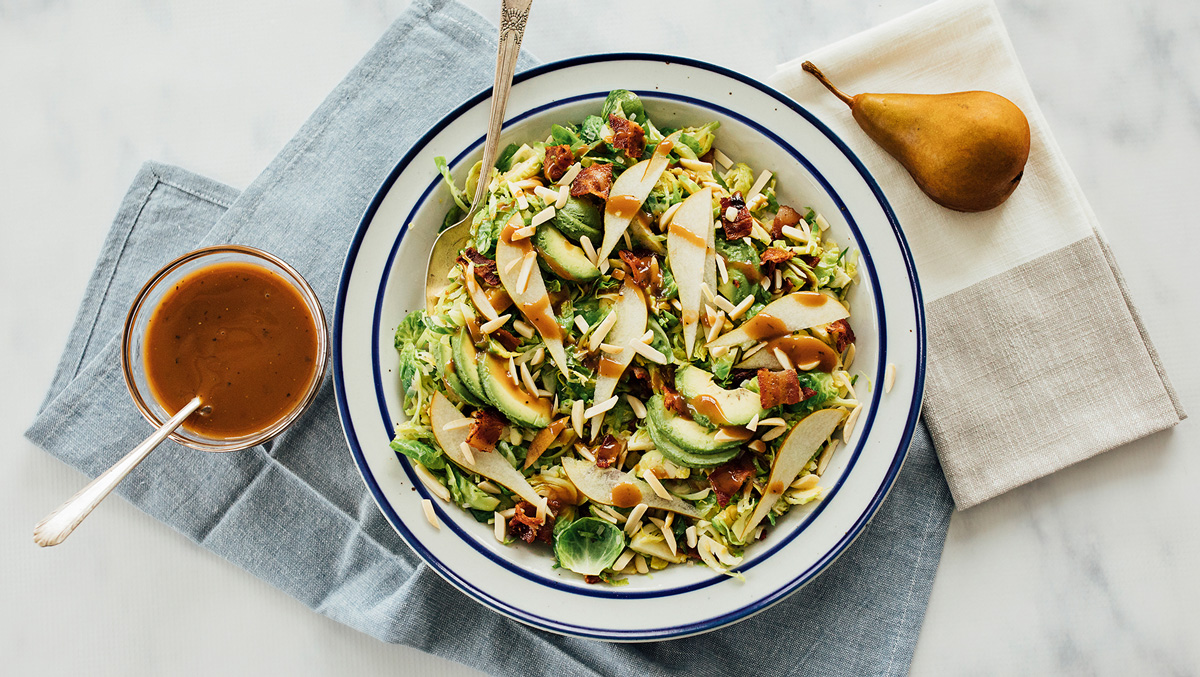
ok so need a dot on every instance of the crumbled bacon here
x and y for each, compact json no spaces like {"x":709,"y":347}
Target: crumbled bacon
{"x":639,"y":382}
{"x":485,"y":268}
{"x":727,"y":479}
{"x":486,"y":429}
{"x":592,"y":579}
{"x":628,"y":137}
{"x":558,"y":160}
{"x":785,"y":217}
{"x":673,"y":401}
{"x":595,"y":180}
{"x":525,"y":525}
{"x":506,"y":339}
{"x":778,"y":387}
{"x":742,"y":224}
{"x":775,"y":255}
{"x":639,"y":266}
{"x":806,"y":392}
{"x":842,"y":334}
{"x":608,"y":451}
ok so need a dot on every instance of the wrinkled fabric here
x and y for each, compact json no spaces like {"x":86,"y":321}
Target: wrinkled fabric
{"x":296,"y":513}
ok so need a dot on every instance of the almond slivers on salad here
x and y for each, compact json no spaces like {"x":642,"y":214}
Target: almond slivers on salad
{"x":640,"y":360}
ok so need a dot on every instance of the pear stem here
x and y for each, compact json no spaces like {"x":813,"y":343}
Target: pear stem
{"x":809,"y":67}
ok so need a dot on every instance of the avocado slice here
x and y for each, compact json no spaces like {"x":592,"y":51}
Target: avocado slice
{"x":684,"y":432}
{"x":580,"y":217}
{"x":563,"y":258}
{"x":679,"y":456}
{"x":714,"y":403}
{"x":450,"y":375}
{"x":464,"y":354}
{"x":519,"y":406}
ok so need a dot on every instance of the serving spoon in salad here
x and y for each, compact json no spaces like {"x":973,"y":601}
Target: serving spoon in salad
{"x":513,"y":15}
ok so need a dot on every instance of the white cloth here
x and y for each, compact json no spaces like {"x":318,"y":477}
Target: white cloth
{"x":1037,"y":358}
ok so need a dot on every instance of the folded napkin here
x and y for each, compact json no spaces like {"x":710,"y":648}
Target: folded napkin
{"x":1037,"y":356}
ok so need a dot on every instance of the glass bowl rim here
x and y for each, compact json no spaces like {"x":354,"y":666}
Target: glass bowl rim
{"x":303,"y":287}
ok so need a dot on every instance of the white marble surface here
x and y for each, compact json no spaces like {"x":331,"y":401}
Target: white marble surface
{"x":1092,"y":570}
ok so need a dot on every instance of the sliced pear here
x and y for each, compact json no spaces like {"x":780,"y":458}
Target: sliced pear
{"x":687,"y":250}
{"x":803,"y":351}
{"x":598,"y":484}
{"x":630,"y":325}
{"x":533,"y":302}
{"x":632,"y":186}
{"x":490,"y":464}
{"x":796,"y":311}
{"x":799,"y":446}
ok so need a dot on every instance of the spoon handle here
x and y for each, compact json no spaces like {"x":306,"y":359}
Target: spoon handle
{"x":59,"y":524}
{"x":513,"y":15}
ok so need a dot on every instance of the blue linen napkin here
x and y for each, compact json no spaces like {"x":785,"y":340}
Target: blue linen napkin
{"x":295,"y":513}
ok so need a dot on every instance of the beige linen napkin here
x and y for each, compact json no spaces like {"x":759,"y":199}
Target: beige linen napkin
{"x":1037,"y":357}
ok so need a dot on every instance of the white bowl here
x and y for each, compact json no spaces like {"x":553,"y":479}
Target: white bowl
{"x":383,"y":279}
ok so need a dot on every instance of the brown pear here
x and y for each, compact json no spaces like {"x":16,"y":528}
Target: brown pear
{"x":966,"y":150}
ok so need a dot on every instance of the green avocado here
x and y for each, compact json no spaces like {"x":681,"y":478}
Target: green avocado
{"x":732,"y":407}
{"x":519,"y":406}
{"x":466,"y":363}
{"x":677,"y":455}
{"x":580,"y":217}
{"x":684,"y":432}
{"x":563,"y":258}
{"x":450,"y":375}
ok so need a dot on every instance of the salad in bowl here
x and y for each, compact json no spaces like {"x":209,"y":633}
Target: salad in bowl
{"x":641,"y":359}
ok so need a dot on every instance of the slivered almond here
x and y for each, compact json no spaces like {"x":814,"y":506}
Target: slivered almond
{"x":523,"y":328}
{"x":468,"y":452}
{"x":848,"y":429}
{"x":514,"y":437}
{"x":708,"y":293}
{"x":527,"y":379}
{"x":493,"y":325}
{"x":778,"y":279}
{"x":741,"y":308}
{"x":586,"y":244}
{"x":610,"y":348}
{"x":458,"y":423}
{"x":731,"y":213}
{"x":691,"y":536}
{"x":581,"y":324}
{"x":794,"y":233}
{"x":583,"y":452}
{"x":757,"y":446}
{"x":826,"y":455}
{"x":821,"y":223}
{"x":889,"y":376}
{"x":766,"y":283}
{"x":522,"y":201}
{"x":577,"y":417}
{"x":512,"y":372}
{"x":648,"y":337}
{"x":487,"y":486}
{"x":695,"y":165}
{"x":757,"y":347}
{"x":523,"y":233}
{"x":564,"y":193}
{"x":724,"y":304}
{"x":648,"y":352}
{"x":773,"y":433}
{"x":431,"y":482}
{"x":806,"y":482}
{"x":528,"y":184}
{"x":624,"y":560}
{"x":541,"y":217}
{"x":635,"y":518}
{"x":431,"y":516}
{"x":542,"y":509}
{"x":773,"y":422}
{"x":759,"y":184}
{"x":655,"y":484}
{"x":718,"y":324}
{"x":719,"y":351}
{"x":668,"y":216}
{"x":526,"y":269}
{"x":639,"y":563}
{"x":725,"y":162}
{"x":604,"y":266}
{"x":498,"y":526}
{"x":601,"y":407}
{"x":722,"y":436}
{"x":602,"y":330}
{"x":784,"y":360}
{"x":548,"y":195}
{"x":668,"y":535}
{"x":639,"y":409}
{"x":722,"y":269}
{"x":538,"y":356}
{"x":572,"y":172}
{"x":848,"y":358}
{"x":753,"y":424}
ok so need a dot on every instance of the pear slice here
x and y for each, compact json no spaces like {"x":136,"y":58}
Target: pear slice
{"x":599,"y":483}
{"x":632,"y":186}
{"x":490,"y":464}
{"x":533,"y":302}
{"x":687,"y":250}
{"x":630,"y":325}
{"x":796,"y":311}
{"x":803,"y":351}
{"x":799,"y":446}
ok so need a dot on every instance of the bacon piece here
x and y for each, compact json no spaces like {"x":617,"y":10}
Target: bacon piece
{"x":785,"y":217}
{"x":742,"y":224}
{"x":639,"y":266}
{"x":778,"y":387}
{"x":485,"y":268}
{"x":608,"y":451}
{"x":806,"y":392}
{"x":727,"y":479}
{"x":628,"y":137}
{"x":639,"y":382}
{"x":506,"y":339}
{"x":558,"y":160}
{"x":775,"y":255}
{"x":526,"y":526}
{"x":486,"y":429}
{"x":595,"y":180}
{"x":592,"y":580}
{"x":842,"y":334}
{"x":673,"y":401}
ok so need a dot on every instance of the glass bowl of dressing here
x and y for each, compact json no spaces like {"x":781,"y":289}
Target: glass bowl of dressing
{"x":236,"y":326}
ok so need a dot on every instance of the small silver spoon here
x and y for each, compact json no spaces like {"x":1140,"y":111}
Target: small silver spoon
{"x":59,"y":524}
{"x":513,"y":15}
